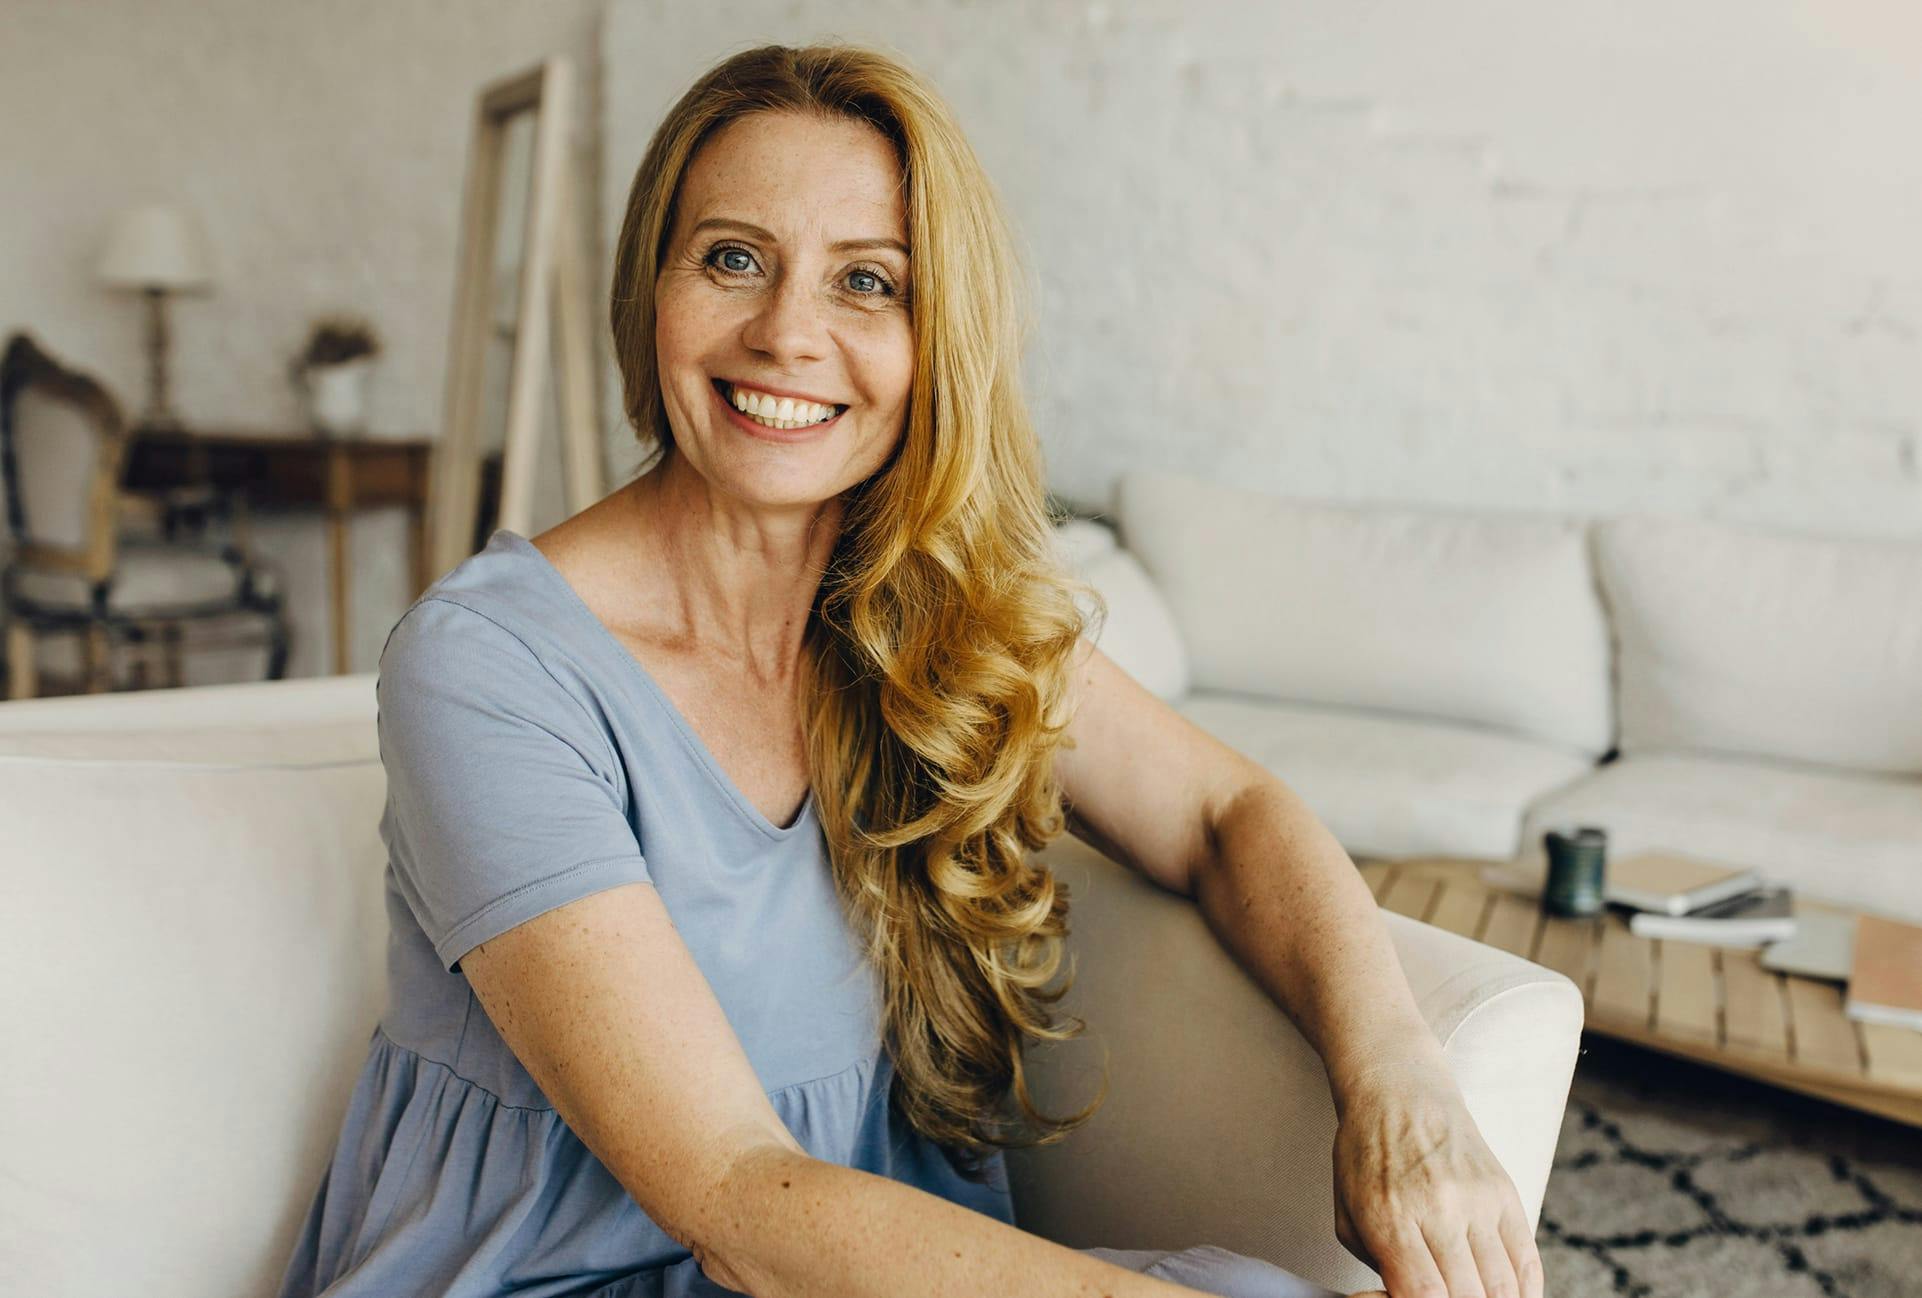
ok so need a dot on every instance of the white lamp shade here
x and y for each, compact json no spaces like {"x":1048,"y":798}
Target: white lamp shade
{"x":156,"y":245}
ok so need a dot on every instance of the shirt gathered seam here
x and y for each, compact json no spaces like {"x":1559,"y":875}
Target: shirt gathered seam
{"x":826,"y":1077}
{"x":381,"y":1030}
{"x":458,"y":1076}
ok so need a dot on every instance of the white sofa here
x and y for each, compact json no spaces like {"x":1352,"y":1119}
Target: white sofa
{"x":193,"y":958}
{"x":1454,"y":682}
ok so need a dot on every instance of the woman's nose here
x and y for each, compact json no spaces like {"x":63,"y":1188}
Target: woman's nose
{"x":788,"y":324}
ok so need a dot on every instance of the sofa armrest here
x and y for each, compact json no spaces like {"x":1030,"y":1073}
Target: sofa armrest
{"x":1219,"y":1125}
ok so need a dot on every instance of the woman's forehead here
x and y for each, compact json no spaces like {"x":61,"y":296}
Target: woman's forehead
{"x":798,"y":176}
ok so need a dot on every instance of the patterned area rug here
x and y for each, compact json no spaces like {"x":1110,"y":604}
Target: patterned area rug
{"x":1676,"y":1180}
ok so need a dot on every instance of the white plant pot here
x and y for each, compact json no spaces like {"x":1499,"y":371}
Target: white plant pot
{"x":337,"y":396}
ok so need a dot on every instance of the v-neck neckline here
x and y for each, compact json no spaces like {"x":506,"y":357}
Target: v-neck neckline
{"x":695,"y":743}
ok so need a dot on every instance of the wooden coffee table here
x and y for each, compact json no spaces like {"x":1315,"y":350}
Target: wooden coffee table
{"x":1715,"y":1005}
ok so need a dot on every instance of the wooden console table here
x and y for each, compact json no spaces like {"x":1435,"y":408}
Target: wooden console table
{"x":1715,"y":1005}
{"x":294,"y":469}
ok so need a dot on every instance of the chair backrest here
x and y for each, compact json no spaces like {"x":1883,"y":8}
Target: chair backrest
{"x":63,"y":440}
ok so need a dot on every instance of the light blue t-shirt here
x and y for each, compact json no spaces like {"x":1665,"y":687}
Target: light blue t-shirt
{"x":531,"y":761}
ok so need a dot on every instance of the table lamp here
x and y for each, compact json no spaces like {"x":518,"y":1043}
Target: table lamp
{"x":157,"y":248}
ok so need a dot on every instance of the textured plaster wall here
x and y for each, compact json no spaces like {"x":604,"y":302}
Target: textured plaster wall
{"x":1592,"y":257}
{"x":1485,"y":253}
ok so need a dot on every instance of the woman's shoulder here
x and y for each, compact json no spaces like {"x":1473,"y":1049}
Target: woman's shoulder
{"x":502,"y":581}
{"x":478,"y":681}
{"x":500,"y":613}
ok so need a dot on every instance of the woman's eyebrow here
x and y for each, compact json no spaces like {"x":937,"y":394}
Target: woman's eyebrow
{"x":748,"y":228}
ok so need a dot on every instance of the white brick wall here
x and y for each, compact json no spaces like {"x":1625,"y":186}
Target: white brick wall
{"x":1482,"y":253}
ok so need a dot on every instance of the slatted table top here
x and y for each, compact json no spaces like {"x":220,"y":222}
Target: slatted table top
{"x":1716,"y":1005}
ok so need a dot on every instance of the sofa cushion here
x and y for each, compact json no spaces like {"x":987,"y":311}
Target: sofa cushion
{"x":1078,"y":540}
{"x":1393,"y":786}
{"x":1743,"y":641}
{"x":148,"y":578}
{"x":1479,"y":617}
{"x":1855,"y":839}
{"x":1138,"y":631}
{"x":190,"y":981}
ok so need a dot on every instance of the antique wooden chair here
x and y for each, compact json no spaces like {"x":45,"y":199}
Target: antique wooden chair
{"x":82,"y":562}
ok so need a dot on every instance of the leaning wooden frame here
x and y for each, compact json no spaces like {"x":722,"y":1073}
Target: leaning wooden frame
{"x":553,"y":286}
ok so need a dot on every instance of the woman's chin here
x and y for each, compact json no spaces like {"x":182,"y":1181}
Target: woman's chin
{"x":780,"y":483}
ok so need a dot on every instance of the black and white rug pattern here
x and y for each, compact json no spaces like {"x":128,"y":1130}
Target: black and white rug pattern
{"x":1673,"y":1179}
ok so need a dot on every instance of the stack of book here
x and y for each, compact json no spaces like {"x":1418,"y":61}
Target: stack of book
{"x":1684,"y":899}
{"x":1681,"y":898}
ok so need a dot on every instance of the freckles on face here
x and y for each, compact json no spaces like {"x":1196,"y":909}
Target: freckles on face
{"x":787,"y":274}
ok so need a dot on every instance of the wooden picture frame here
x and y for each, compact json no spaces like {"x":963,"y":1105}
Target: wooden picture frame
{"x":549,"y":321}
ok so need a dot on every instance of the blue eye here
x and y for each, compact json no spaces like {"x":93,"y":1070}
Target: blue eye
{"x":724,"y":251}
{"x":881,"y":286}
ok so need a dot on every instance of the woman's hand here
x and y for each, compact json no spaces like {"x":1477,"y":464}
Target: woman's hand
{"x":1418,"y":1195}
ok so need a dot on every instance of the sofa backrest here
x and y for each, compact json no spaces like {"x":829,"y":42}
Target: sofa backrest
{"x":192,"y":960}
{"x":181,"y":713}
{"x":1736,"y":639}
{"x":1489,"y":618}
{"x":1134,"y":625}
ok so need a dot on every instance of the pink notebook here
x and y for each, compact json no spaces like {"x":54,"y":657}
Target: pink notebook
{"x":1885,"y":980}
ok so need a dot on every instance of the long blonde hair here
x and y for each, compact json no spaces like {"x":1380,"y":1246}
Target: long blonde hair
{"x":935,"y":664}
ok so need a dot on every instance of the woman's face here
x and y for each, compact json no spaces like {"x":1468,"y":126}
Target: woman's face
{"x":783,"y":289}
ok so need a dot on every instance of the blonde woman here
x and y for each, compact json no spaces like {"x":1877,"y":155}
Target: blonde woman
{"x":715,"y":933}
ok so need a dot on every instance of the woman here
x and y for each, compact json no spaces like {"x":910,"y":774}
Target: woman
{"x":715,"y":931}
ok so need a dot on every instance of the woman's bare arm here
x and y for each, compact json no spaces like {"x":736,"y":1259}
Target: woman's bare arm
{"x":603,"y":1004}
{"x":799,"y":1227}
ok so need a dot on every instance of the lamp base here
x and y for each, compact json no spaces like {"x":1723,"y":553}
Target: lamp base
{"x":158,"y":421}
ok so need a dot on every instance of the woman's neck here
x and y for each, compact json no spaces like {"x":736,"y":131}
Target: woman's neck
{"x":722,"y":577}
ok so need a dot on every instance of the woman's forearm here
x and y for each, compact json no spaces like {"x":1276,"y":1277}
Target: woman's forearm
{"x":793,"y":1226}
{"x":1286,"y":901}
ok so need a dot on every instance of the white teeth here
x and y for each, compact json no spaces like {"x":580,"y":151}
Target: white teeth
{"x":778,"y":412}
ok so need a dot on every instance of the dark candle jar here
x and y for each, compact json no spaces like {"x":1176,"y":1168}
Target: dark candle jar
{"x":1577,"y":870}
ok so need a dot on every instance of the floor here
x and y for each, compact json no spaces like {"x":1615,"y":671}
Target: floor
{"x":1673,"y":1179}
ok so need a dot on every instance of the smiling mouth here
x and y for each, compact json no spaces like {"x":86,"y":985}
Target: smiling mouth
{"x":775,"y":412}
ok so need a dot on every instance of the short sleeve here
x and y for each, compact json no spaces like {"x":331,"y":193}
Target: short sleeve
{"x":503,"y":796}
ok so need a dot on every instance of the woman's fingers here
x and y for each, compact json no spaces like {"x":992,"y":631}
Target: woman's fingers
{"x":1496,"y":1267}
{"x":1409,"y":1263}
{"x":1522,"y":1252}
{"x":1448,"y":1245}
{"x":1349,"y":1237}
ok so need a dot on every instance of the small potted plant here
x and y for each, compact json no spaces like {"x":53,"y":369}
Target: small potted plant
{"x":330,"y":373}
